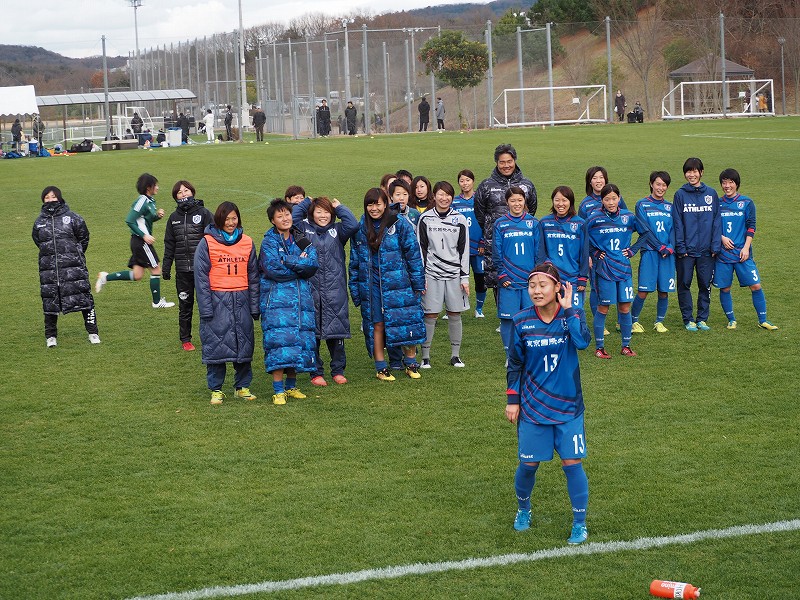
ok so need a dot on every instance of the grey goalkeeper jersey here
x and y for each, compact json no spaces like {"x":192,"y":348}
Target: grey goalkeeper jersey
{"x":444,"y":242}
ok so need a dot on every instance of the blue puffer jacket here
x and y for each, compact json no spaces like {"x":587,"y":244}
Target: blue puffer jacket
{"x":402,"y":280}
{"x":226,"y":318}
{"x":329,"y":283}
{"x":287,"y":304}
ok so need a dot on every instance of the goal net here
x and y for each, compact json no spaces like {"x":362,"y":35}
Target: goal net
{"x":702,"y":99}
{"x":518,"y":107}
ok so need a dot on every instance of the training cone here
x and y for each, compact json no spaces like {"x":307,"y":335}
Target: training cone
{"x":673,"y":589}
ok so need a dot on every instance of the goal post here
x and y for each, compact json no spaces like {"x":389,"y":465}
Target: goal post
{"x":705,"y":99}
{"x":520,"y":107}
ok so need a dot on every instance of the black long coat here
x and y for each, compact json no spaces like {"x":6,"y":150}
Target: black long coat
{"x":62,"y":238}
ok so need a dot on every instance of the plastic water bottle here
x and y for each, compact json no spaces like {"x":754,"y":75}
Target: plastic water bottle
{"x":673,"y":589}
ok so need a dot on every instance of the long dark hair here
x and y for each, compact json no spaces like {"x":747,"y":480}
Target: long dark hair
{"x":413,"y":200}
{"x":590,"y":172}
{"x":374,"y":238}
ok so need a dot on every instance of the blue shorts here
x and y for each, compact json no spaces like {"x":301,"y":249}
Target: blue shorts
{"x":537,"y":442}
{"x":476,"y":263}
{"x":746,"y":273}
{"x":614,"y":292}
{"x":656,"y":273}
{"x":511,"y":301}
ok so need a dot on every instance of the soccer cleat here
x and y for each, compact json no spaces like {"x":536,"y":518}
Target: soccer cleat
{"x":426,"y":363}
{"x":217,"y":397}
{"x":279,"y":398}
{"x":578,"y":535}
{"x":163,"y":304}
{"x":340,"y":379}
{"x":52,"y":342}
{"x":385,"y":375}
{"x":601,"y":353}
{"x":319,"y":380}
{"x":244,"y":394}
{"x":479,"y":314}
{"x":188,"y":346}
{"x":703,"y":326}
{"x":731,"y":324}
{"x":768,"y":326}
{"x":445,"y":317}
{"x":294,"y":393}
{"x":101,"y":281}
{"x":606,"y":331}
{"x":637,"y":327}
{"x":457,"y":362}
{"x":412,"y":371}
{"x":626,"y":351}
{"x":660,"y":328}
{"x":523,"y":520}
{"x":94,"y":338}
{"x":498,"y":329}
{"x":691,"y":326}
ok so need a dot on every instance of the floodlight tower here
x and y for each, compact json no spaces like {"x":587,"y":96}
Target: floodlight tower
{"x":135,"y":4}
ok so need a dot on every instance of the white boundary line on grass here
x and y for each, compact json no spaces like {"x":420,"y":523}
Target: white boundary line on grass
{"x":720,"y":136}
{"x":475,"y":563}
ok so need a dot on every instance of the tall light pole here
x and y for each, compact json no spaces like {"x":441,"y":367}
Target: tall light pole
{"x":346,"y":61}
{"x":135,"y":4}
{"x":782,"y":41}
{"x":243,"y":76}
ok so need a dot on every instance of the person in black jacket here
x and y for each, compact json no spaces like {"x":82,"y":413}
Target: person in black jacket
{"x":324,"y":119}
{"x":183,"y":123}
{"x":16,"y":133}
{"x":136,"y":123}
{"x":259,"y":119}
{"x":490,"y":200}
{"x":184,"y":231}
{"x":424,"y":114}
{"x":62,"y":238}
{"x":228,"y":124}
{"x":350,"y":114}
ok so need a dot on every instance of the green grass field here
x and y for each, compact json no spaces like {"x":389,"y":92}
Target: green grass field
{"x":118,"y":478}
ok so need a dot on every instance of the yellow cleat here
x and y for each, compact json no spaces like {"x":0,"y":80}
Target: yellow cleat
{"x":217,"y":397}
{"x":768,"y":326}
{"x":295,"y":393}
{"x":637,"y":327}
{"x":659,"y":327}
{"x":279,"y":398}
{"x":413,"y":371}
{"x":731,"y":325}
{"x":385,"y":375}
{"x":244,"y":393}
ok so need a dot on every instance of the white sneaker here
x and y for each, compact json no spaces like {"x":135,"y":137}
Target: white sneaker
{"x":457,"y":362}
{"x":163,"y":304}
{"x":445,"y":317}
{"x":94,"y":338}
{"x":498,"y":329}
{"x":51,"y":342}
{"x":101,"y":281}
{"x":479,"y":314}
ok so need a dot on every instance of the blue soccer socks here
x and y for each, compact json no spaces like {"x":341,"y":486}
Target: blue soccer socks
{"x":524,"y":481}
{"x":578,"y":490}
{"x":726,"y":301}
{"x":636,"y":307}
{"x":760,"y":304}
{"x":599,"y":328}
{"x":661,"y":309}
{"x":625,"y":325}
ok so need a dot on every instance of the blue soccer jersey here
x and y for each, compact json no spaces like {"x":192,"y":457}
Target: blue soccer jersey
{"x":564,"y":244}
{"x":591,"y":203}
{"x":543,"y":372}
{"x":611,"y":234}
{"x":515,"y":249}
{"x":654,"y":224}
{"x":466,"y":206}
{"x":738,"y":223}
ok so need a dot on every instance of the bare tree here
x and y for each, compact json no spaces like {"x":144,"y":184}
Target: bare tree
{"x":639,"y":37}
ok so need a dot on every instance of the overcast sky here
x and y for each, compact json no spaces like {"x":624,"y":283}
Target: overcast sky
{"x":74,"y":27}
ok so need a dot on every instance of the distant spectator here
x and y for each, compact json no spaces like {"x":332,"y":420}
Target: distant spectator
{"x":259,"y":119}
{"x":424,"y":114}
{"x":183,"y":123}
{"x":619,"y":105}
{"x":208,"y":119}
{"x":350,"y":114}
{"x":16,"y":133}
{"x":324,"y":119}
{"x":136,"y":123}
{"x":228,"y":124}
{"x":440,"y":113}
{"x":38,"y":128}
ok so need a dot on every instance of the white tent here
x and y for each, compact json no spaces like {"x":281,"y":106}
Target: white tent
{"x":18,"y":100}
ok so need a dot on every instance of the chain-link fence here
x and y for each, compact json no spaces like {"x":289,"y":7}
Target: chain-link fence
{"x":379,"y":70}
